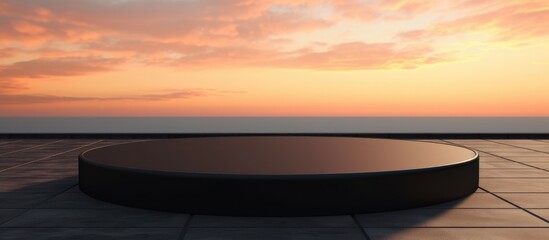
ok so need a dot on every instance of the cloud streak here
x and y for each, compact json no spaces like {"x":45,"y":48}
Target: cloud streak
{"x":504,"y":21}
{"x":61,"y":56}
{"x":209,"y":33}
{"x":359,"y":55}
{"x":10,"y":99}
{"x":74,"y":38}
{"x":12,"y":75}
{"x":59,"y":67}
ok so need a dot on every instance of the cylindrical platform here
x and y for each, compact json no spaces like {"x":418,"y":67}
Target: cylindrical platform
{"x":278,"y":175}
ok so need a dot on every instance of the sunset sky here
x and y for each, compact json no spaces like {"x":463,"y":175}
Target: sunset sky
{"x":274,"y":58}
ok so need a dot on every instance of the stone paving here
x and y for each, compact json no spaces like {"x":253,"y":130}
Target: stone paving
{"x":40,"y":199}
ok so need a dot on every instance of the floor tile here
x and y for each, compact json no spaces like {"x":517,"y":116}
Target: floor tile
{"x":504,"y":150}
{"x":471,"y":141}
{"x":22,"y":200}
{"x":515,"y":184}
{"x":529,"y":159}
{"x":501,"y":164}
{"x":272,"y":222}
{"x":87,"y":218}
{"x":517,"y":141}
{"x":543,"y":148}
{"x":90,"y":233}
{"x":522,"y":154}
{"x":452,"y":218}
{"x":475,"y":200}
{"x":544,"y":213}
{"x":24,"y":184}
{"x":544,"y":165}
{"x":430,"y":140}
{"x":513,"y":173}
{"x":527,"y":200}
{"x":49,"y":164}
{"x":22,"y":171}
{"x":471,"y":145}
{"x":458,"y":233}
{"x":274,"y":234}
{"x":74,"y":215}
{"x":7,"y":214}
{"x":493,"y":159}
{"x":4,"y":165}
{"x":483,"y":154}
{"x":17,"y":160}
{"x":76,"y":200}
{"x":17,"y":148}
{"x":74,"y":189}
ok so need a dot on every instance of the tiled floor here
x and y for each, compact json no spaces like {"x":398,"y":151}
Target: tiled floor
{"x":40,"y":199}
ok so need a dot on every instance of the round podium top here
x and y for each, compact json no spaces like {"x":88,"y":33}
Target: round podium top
{"x":279,"y":155}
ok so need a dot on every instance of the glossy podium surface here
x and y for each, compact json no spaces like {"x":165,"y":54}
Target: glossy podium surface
{"x":278,"y":175}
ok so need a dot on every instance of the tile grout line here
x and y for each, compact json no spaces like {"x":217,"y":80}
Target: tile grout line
{"x":185,"y":228}
{"x":517,"y":206}
{"x":511,"y":145}
{"x":37,"y":204}
{"x":50,"y":156}
{"x":360,"y":227}
{"x":29,"y":148}
{"x":53,"y":195}
{"x":525,"y":164}
{"x":535,"y":150}
{"x":4,"y":143}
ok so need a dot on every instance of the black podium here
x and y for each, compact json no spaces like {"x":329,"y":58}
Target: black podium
{"x":278,"y":175}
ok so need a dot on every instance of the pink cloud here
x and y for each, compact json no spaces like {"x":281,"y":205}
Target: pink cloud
{"x":409,"y":6}
{"x":40,"y":68}
{"x":503,"y":20}
{"x":146,"y":30}
{"x":10,"y":86}
{"x":161,"y":19}
{"x":345,"y":56}
{"x":9,"y":99}
{"x":7,"y":52}
{"x":189,"y":22}
{"x":91,"y":36}
{"x":356,"y":10}
{"x":12,"y":74}
{"x":358,"y":55}
{"x":386,"y":9}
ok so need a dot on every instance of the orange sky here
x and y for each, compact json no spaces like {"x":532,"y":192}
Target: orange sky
{"x":274,"y":58}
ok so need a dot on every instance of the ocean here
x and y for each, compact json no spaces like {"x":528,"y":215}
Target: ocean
{"x":274,"y":125}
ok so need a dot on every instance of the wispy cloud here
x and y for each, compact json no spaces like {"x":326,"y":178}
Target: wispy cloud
{"x":157,"y":96}
{"x":359,"y":55}
{"x":500,"y":20}
{"x":238,"y":33}
{"x":7,"y":52}
{"x":71,"y":38}
{"x":387,"y":9}
{"x":53,"y":51}
{"x":12,"y":74}
{"x":41,"y":68}
{"x":182,"y":21}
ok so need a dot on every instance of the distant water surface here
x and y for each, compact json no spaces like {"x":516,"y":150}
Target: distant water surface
{"x":274,"y":125}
